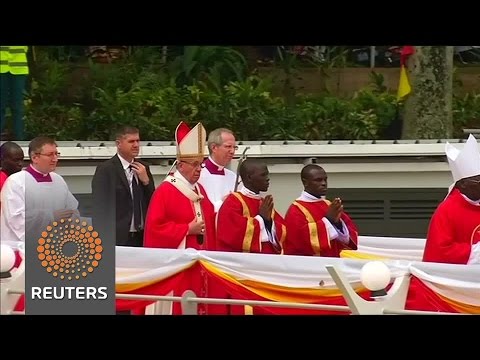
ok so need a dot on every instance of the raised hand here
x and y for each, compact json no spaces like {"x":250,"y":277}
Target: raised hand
{"x":141,"y":172}
{"x":266,"y":207}
{"x":335,"y":210}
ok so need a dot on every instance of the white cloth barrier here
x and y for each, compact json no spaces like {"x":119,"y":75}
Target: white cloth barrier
{"x":457,"y":282}
{"x":139,"y":265}
{"x":460,"y":283}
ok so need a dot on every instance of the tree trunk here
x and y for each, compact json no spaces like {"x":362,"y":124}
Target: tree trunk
{"x":428,"y":108}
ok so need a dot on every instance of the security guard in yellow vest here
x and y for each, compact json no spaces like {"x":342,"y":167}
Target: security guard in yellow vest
{"x":13,"y":79}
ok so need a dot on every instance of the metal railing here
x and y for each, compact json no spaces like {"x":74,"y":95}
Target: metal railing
{"x":189,"y":301}
{"x":392,"y":303}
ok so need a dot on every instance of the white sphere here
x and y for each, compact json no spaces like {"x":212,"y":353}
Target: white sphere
{"x":7,"y":258}
{"x":375,"y":275}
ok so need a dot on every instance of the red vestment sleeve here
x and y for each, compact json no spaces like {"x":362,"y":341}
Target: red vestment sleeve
{"x":280,"y":228}
{"x":210,"y":241}
{"x":3,"y":178}
{"x":165,"y":227}
{"x":353,"y":232}
{"x":441,"y":245}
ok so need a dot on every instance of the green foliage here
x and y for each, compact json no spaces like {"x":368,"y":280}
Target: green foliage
{"x":210,"y":84}
{"x":374,"y":108}
{"x":466,"y":113}
{"x":210,"y":66}
{"x":49,"y":110}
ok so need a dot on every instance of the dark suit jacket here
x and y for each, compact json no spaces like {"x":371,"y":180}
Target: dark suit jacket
{"x":112,"y":201}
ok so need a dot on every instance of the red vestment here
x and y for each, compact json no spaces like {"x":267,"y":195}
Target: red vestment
{"x":166,"y":226}
{"x":453,"y":229}
{"x":307,"y":233}
{"x":3,"y":178}
{"x":238,"y":230}
{"x":168,"y":216}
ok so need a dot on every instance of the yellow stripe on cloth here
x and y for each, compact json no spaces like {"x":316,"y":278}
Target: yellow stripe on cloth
{"x":312,"y":228}
{"x":248,"y":238}
{"x":354,"y":254}
{"x":282,"y":239}
{"x":459,"y":306}
{"x":277,"y":292}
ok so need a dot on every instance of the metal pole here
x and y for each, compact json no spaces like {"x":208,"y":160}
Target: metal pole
{"x":189,"y":307}
{"x":240,"y":161}
{"x":372,"y":57}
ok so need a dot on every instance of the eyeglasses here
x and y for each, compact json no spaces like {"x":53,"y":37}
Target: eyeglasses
{"x":195,"y":164}
{"x":50,"y":155}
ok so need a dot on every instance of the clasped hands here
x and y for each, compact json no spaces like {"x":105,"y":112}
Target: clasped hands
{"x":196,"y":228}
{"x":335,"y":211}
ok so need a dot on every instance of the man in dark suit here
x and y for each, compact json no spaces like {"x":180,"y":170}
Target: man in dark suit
{"x":122,"y":187}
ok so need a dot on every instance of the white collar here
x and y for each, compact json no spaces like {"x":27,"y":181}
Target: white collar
{"x":476,"y":203}
{"x":182,"y":178}
{"x":250,"y":193}
{"x":37,"y":171}
{"x":124,"y":162}
{"x":220,"y":168}
{"x":307,"y":197}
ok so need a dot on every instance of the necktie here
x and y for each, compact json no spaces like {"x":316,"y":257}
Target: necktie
{"x":137,"y":201}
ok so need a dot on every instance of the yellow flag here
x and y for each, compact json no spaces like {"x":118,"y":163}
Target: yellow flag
{"x":404,"y":87}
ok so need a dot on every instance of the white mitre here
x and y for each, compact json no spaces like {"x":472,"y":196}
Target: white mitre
{"x":465,"y":163}
{"x":190,"y":142}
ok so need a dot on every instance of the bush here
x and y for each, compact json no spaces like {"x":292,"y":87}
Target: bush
{"x":142,"y":91}
{"x":466,"y":113}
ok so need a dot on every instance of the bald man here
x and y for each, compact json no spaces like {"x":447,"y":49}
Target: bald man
{"x":11,"y":155}
{"x":247,"y":220}
{"x":316,"y":226}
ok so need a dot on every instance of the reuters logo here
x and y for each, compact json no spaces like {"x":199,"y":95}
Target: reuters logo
{"x":69,"y":250}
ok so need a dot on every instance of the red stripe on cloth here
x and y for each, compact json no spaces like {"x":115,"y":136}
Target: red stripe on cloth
{"x":422,"y":298}
{"x":178,"y":283}
{"x":234,"y":291}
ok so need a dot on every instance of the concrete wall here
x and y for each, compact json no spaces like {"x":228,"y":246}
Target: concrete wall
{"x":384,"y":199}
{"x":285,"y":184}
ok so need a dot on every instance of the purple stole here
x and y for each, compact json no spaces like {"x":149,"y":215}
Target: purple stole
{"x":38,"y":176}
{"x":212,"y":168}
